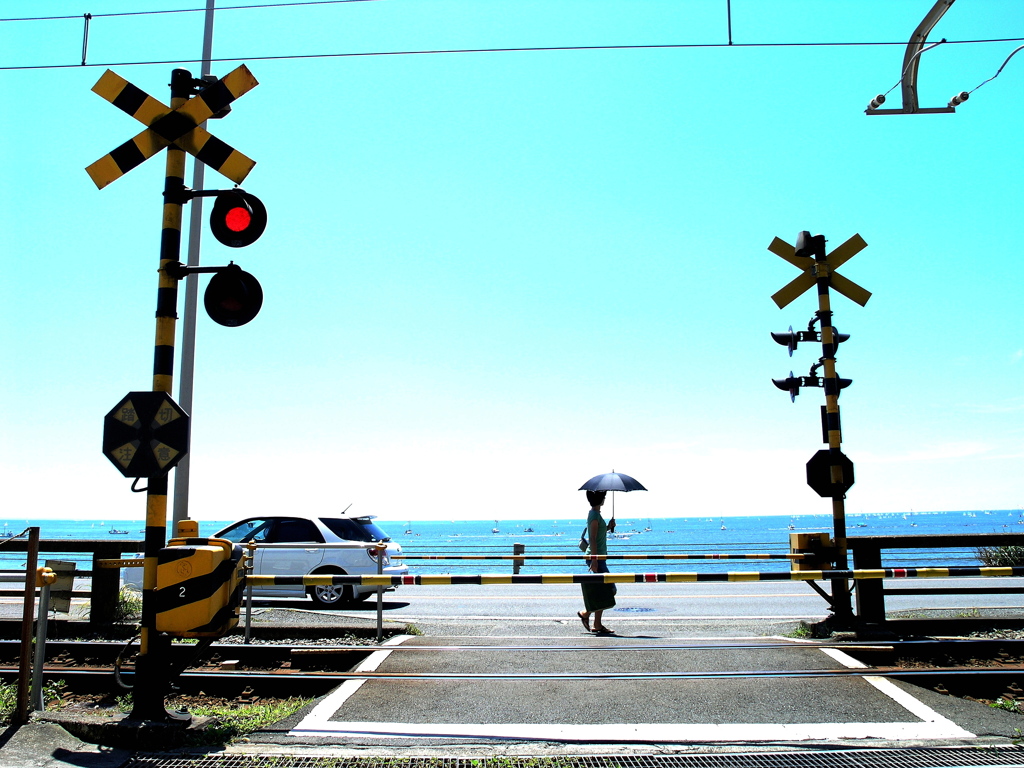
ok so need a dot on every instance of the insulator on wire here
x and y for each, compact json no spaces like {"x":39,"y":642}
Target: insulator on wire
{"x":959,"y":99}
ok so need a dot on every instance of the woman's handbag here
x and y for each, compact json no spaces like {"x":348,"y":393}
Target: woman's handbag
{"x":583,"y":541}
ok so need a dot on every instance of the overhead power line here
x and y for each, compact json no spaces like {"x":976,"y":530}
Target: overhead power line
{"x":189,"y":10}
{"x":525,"y":49}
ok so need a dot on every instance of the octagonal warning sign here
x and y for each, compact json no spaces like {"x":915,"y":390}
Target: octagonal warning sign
{"x":819,"y":473}
{"x":145,"y":434}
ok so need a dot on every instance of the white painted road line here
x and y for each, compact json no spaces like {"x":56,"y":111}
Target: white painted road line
{"x":901,"y":697}
{"x":322,"y":712}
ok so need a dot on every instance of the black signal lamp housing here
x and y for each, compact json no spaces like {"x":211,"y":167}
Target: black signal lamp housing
{"x":233,"y":297}
{"x":790,"y":384}
{"x":238,"y":218}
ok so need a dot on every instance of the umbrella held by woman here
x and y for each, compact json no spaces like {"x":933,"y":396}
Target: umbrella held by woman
{"x":597,"y":598}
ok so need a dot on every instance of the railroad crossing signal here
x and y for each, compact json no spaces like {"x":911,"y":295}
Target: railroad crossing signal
{"x":166,"y":126}
{"x":813,"y":268}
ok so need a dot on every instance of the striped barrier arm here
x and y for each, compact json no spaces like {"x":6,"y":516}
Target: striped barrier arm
{"x":604,"y":557}
{"x":629,"y":578}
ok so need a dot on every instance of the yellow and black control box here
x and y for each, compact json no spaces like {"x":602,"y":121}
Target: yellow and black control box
{"x":198,"y":587}
{"x":818,"y":548}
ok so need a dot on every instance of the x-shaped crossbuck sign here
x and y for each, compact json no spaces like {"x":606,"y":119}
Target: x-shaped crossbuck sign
{"x":166,"y":126}
{"x":812,"y":269}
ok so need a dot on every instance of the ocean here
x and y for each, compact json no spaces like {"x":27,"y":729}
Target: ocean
{"x":677,"y":535}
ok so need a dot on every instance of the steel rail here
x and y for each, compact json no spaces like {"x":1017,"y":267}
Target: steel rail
{"x":888,"y":645}
{"x":292,"y":674}
{"x":240,"y":651}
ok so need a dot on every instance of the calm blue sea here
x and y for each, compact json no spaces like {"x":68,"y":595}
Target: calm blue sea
{"x":723,"y":535}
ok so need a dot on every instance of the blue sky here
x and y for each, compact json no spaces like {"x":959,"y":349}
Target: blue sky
{"x":490,"y":276}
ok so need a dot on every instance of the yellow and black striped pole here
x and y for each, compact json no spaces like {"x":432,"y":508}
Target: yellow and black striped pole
{"x":841,"y":603}
{"x":152,"y":675}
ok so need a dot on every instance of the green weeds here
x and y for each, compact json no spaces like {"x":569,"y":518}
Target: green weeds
{"x":52,"y":691}
{"x":1007,"y":705}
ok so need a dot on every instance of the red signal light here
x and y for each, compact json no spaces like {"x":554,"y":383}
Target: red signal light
{"x":238,"y":219}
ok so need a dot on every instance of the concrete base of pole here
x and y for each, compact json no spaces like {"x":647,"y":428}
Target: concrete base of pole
{"x":152,"y":683}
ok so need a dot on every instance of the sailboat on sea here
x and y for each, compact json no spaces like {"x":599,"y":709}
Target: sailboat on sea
{"x":495,"y":528}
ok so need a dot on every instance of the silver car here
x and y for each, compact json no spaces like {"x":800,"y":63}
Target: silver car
{"x":312,"y":530}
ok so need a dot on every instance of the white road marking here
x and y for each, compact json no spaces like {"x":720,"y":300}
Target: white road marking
{"x":322,"y":712}
{"x":914,"y":706}
{"x":318,"y":723}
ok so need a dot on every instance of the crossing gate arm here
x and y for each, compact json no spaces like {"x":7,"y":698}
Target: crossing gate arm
{"x":632,"y":578}
{"x":714,"y":556}
{"x":135,"y":562}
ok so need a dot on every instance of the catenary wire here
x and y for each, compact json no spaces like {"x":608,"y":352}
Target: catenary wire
{"x":252,"y":6}
{"x":997,"y":71}
{"x":911,"y":63}
{"x":525,"y":49}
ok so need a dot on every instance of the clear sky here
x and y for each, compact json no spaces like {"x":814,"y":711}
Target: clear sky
{"x":490,"y":276}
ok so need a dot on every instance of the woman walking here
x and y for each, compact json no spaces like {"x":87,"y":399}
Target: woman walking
{"x":597,"y":598}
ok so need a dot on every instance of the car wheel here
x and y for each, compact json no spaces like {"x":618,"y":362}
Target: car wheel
{"x":330,"y":595}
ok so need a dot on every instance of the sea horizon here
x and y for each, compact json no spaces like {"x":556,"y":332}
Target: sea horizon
{"x":10,"y":519}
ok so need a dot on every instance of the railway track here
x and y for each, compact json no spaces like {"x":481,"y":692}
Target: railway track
{"x":984,"y":669}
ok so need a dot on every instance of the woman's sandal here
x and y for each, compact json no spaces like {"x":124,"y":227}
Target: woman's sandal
{"x":584,"y":621}
{"x":603,"y":631}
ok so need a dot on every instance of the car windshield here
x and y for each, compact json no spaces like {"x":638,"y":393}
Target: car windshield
{"x":247,"y":530}
{"x":359,"y":529}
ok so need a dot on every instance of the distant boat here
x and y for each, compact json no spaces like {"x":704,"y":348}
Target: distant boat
{"x":408,"y":531}
{"x":117,"y":530}
{"x":495,"y":528}
{"x":528,"y":530}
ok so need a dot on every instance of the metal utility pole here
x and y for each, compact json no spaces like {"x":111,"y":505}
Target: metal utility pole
{"x":179,"y":509}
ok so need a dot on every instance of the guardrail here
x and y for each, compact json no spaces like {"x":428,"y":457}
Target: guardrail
{"x":105,"y":582}
{"x":867,"y":554}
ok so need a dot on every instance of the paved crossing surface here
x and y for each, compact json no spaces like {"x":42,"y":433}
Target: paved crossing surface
{"x":581,"y":706}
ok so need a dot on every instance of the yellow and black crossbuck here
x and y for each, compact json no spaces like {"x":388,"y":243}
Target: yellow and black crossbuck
{"x":166,"y":126}
{"x":810,"y":269}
